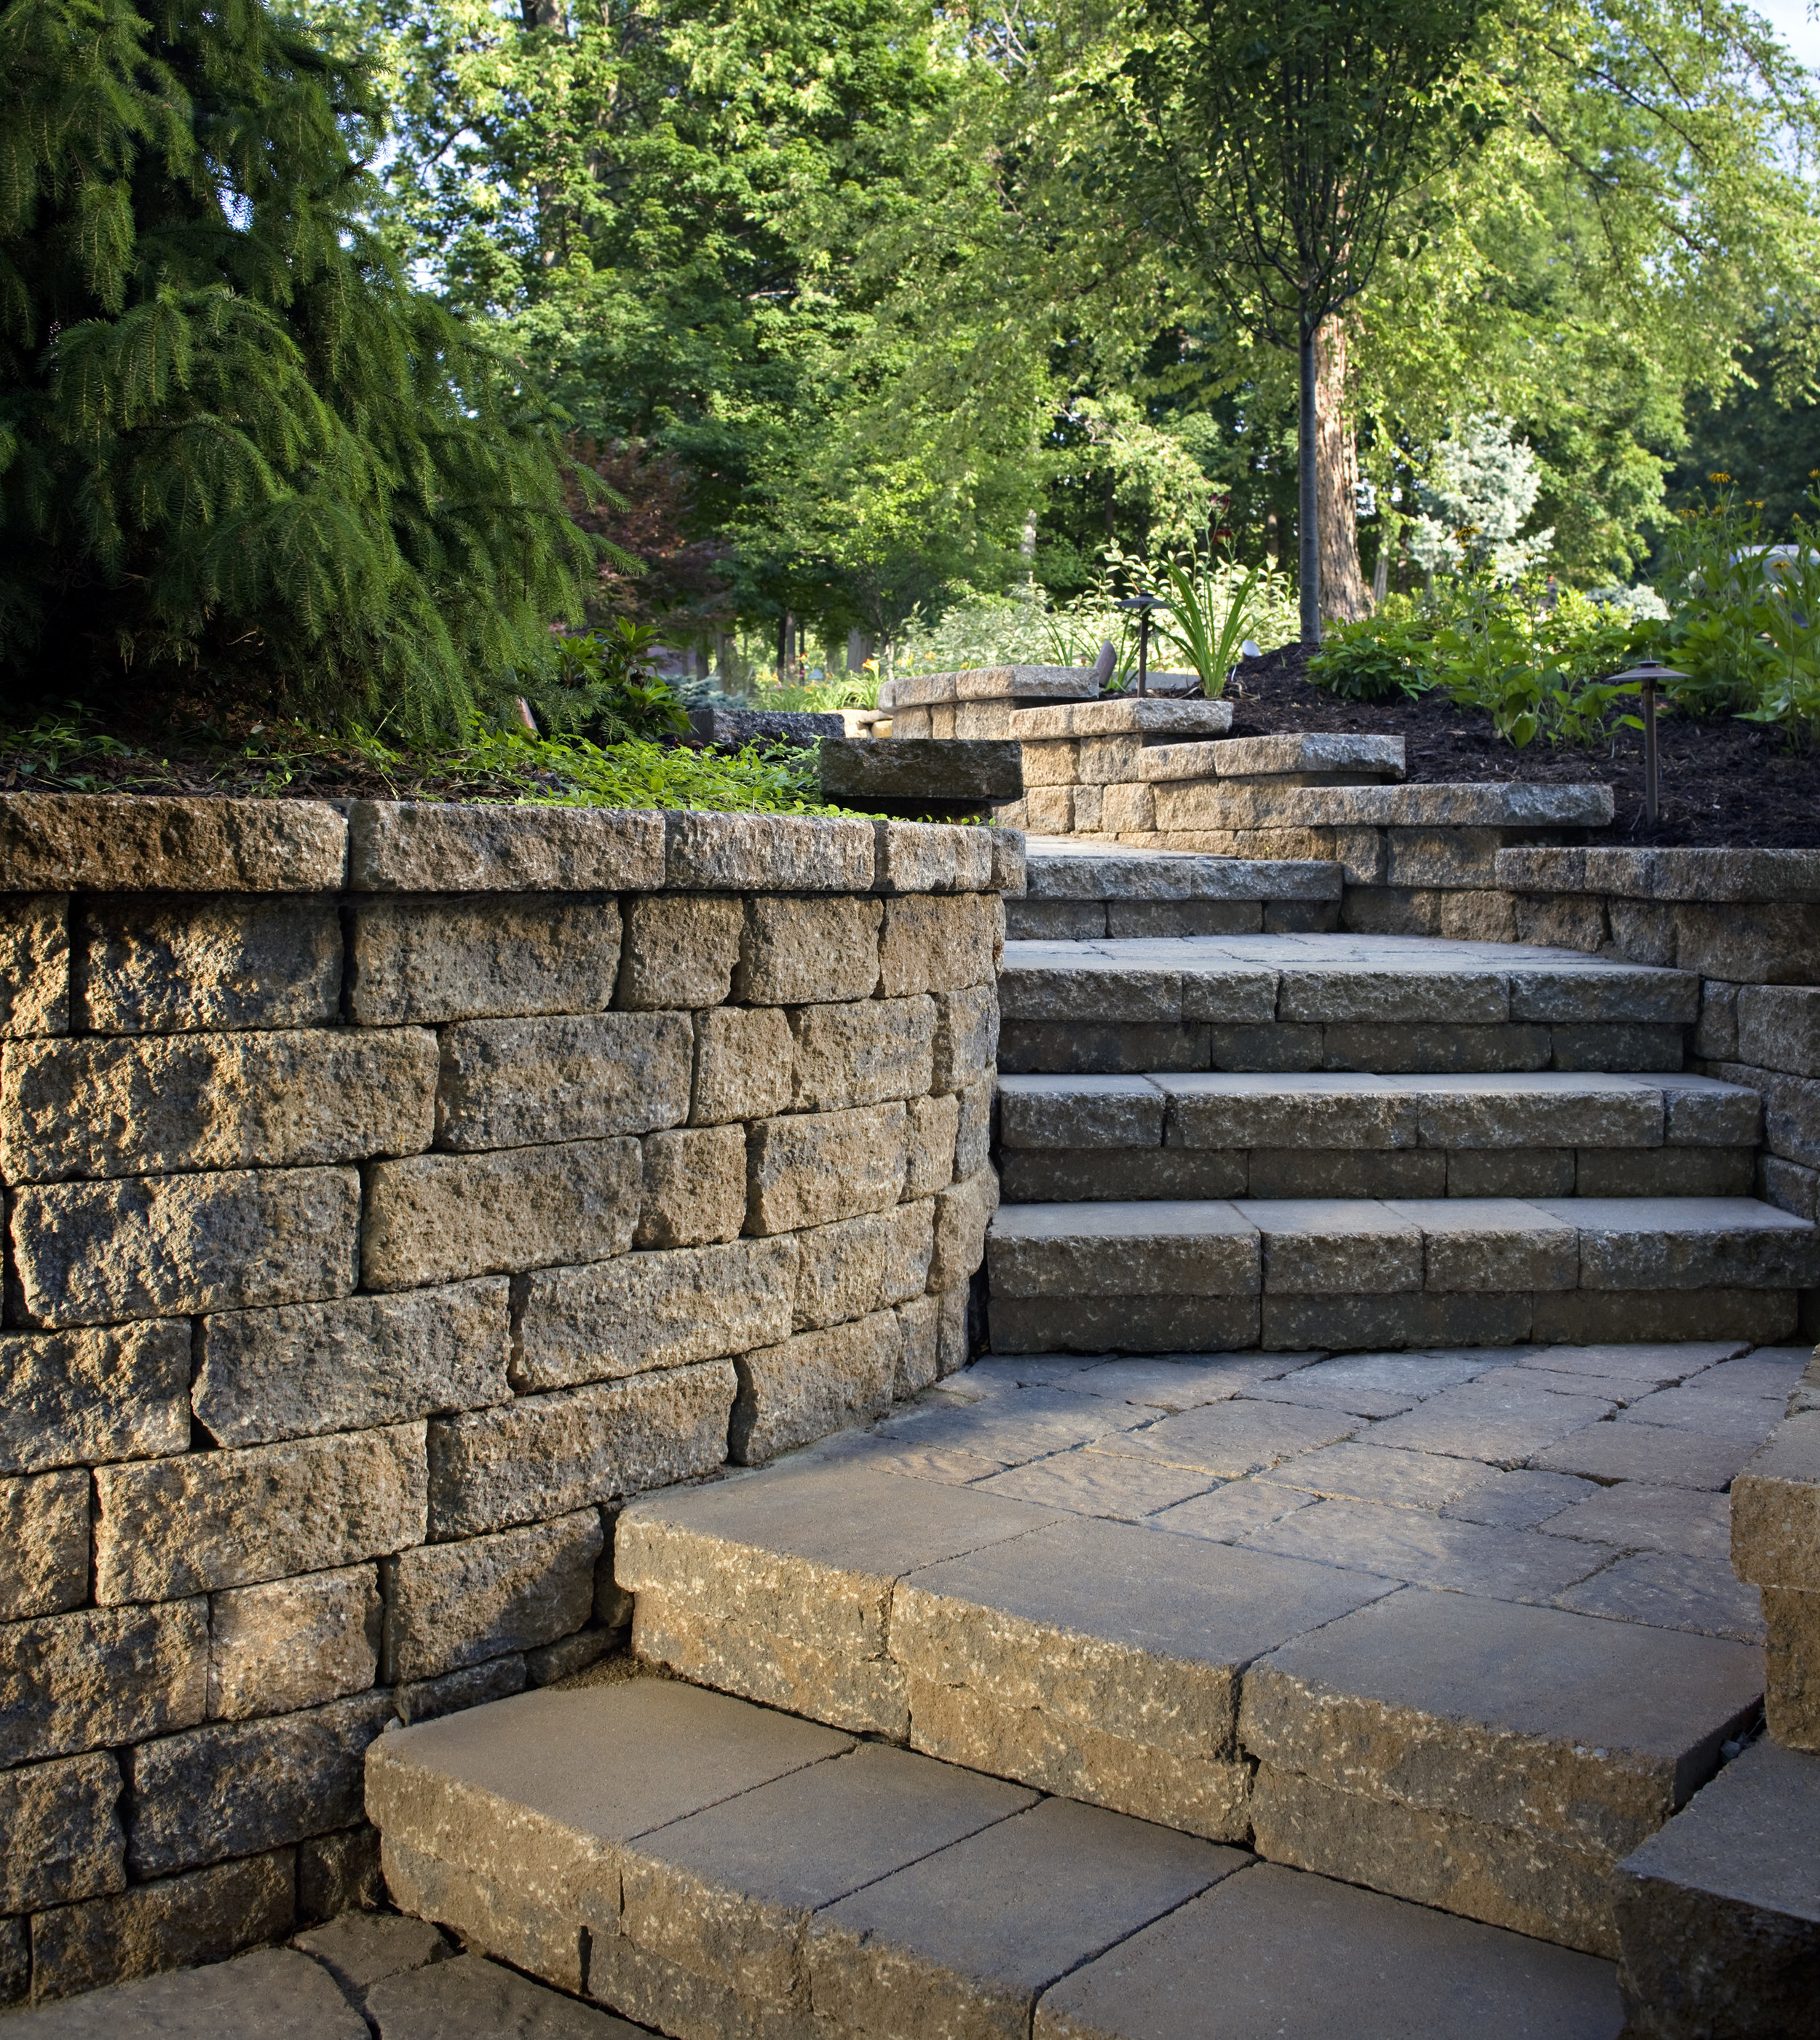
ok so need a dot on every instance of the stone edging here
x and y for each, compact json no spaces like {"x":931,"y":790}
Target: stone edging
{"x":60,"y":842}
{"x":1713,"y":876}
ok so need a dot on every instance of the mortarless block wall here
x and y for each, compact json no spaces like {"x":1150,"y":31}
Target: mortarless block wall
{"x":389,"y":1195}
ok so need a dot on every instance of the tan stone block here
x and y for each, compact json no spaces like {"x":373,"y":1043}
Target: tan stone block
{"x":304,"y":1368}
{"x":91,"y":843}
{"x":953,"y":1350}
{"x":929,"y":944}
{"x":1128,"y":809}
{"x":973,"y":1136}
{"x":1745,"y":942}
{"x":43,"y":1543}
{"x":862,"y":1052}
{"x":1567,"y":921}
{"x":966,"y":1037}
{"x":1776,"y":1508}
{"x":840,"y":1270}
{"x":147,"y":1247}
{"x":543,"y":1454}
{"x":655,"y":1310}
{"x":230,"y":1519}
{"x":800,"y":951}
{"x":1052,"y":762}
{"x":145,"y":1104}
{"x":934,"y":1127}
{"x":680,"y":951}
{"x":488,"y":957}
{"x":34,"y":965}
{"x":162,"y":966}
{"x":932,"y":857}
{"x":919,"y":1346}
{"x":1792,"y":1667}
{"x":710,"y":852}
{"x":1507,"y":1877}
{"x":522,"y":1083}
{"x":744,"y":1059}
{"x":445,"y":846}
{"x":454,"y":1605}
{"x":60,"y":1834}
{"x":73,"y":1398}
{"x":818,"y":1382}
{"x":695,"y":1188}
{"x":492,"y":1911}
{"x":204,"y":1916}
{"x":340,"y":1873}
{"x":438,"y":1218}
{"x":1050,"y":810}
{"x":1085,"y":816}
{"x":101,"y":1676}
{"x":1106,"y":761}
{"x":813,"y":1168}
{"x":962,"y":1213}
{"x":981,"y":718}
{"x":229,"y":1788}
{"x":293,"y":1643}
{"x":910,"y":1247}
{"x":1478,"y":917}
{"x":913,"y":722}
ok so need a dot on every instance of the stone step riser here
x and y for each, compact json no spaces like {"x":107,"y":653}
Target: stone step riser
{"x":1028,"y":919}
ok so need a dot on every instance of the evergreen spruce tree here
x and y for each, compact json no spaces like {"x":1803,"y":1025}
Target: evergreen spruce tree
{"x":241,"y":460}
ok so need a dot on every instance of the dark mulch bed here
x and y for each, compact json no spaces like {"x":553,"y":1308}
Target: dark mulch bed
{"x":1726,"y":784}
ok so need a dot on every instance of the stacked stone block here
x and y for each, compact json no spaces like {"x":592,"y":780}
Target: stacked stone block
{"x":1776,"y":1545}
{"x":389,"y":1197}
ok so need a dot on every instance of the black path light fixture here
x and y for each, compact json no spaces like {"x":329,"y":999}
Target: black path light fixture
{"x":1650,"y":673}
{"x":1144,"y":605}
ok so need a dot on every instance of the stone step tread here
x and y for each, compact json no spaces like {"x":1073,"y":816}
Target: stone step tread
{"x":1257,"y":978}
{"x":1345,"y":1109}
{"x":785,"y":1880}
{"x":1471,"y":1674}
{"x":1266,"y":757}
{"x":1198,"y":805}
{"x":1058,"y":869}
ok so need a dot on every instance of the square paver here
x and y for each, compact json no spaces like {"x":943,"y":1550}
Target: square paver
{"x":1173,"y":1384}
{"x":1021,"y":1424}
{"x":1655,"y":1365}
{"x":1228,"y":1440}
{"x":1710,"y":1411}
{"x":1334,"y":1246}
{"x":1634,"y":1516}
{"x":1518,"y":1498}
{"x":1670,"y":1591}
{"x":1090,"y":1483}
{"x":1378,"y":1384}
{"x":1654,"y":1452}
{"x":1360,"y":1471}
{"x":1232,"y":1511}
{"x":1503,"y":1417}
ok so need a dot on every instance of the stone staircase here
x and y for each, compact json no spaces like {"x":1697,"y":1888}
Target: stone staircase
{"x":1303,"y":1621}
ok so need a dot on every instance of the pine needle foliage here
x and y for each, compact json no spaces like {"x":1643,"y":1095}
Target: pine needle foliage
{"x":241,"y":460}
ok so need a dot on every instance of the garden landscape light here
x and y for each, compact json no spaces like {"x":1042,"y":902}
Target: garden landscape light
{"x":1648,"y":671}
{"x":1144,"y":604}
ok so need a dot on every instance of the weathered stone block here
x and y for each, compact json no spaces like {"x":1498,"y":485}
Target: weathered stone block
{"x":142,"y":1105}
{"x":1560,"y":920}
{"x":452,"y":1692}
{"x":803,"y":952}
{"x":550,"y":1664}
{"x":162,"y":966}
{"x":60,"y":1836}
{"x":936,"y":945}
{"x":932,"y":857}
{"x":1050,"y":810}
{"x":203,"y":1917}
{"x":966,"y":1037}
{"x":96,"y":842}
{"x":1779,"y":1028}
{"x":679,"y":952}
{"x":840,"y":1270}
{"x":743,"y":1062}
{"x":15,"y":1962}
{"x":480,"y":959}
{"x":43,"y":1543}
{"x":340,"y":1873}
{"x":722,"y":853}
{"x":953,"y":1345}
{"x":910,"y":1245}
{"x":1776,"y":1508}
{"x":1050,"y":761}
{"x":1715,"y":1036}
{"x":813,"y":1168}
{"x":962,"y":1213}
{"x":436,"y":1218}
{"x":919,"y":1346}
{"x":101,"y":1676}
{"x":1129,"y":1251}
{"x":230,"y":1519}
{"x":1442,"y":857}
{"x":934,"y":1129}
{"x":1788,"y":1187}
{"x":792,"y":1393}
{"x":450,"y":1605}
{"x":651,"y":1310}
{"x":862,"y":1052}
{"x":973,"y":1135}
{"x":74,"y":1398}
{"x":304,"y":1368}
{"x":695,"y":1187}
{"x":1129,"y":809}
{"x":1791,"y":1665}
{"x":231,"y":1788}
{"x":523,"y":1083}
{"x":34,"y":965}
{"x":293,"y":1643}
{"x":90,"y":1252}
{"x":1009,"y":873}
{"x":545,"y":1454}
{"x":448,"y":847}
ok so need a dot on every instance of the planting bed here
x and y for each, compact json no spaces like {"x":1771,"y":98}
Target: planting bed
{"x":1729,"y":783}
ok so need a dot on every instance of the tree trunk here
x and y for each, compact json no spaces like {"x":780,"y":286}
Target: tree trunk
{"x":1308,"y":496}
{"x":1381,"y":573}
{"x":859,"y":651}
{"x":1343,"y":597}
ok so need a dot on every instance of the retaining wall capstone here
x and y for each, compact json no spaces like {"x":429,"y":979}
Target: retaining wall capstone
{"x":391,"y":1191}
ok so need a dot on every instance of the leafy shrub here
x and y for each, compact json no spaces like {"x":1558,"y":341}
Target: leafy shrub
{"x":602,"y":686}
{"x":1380,"y":655}
{"x":1539,"y":670}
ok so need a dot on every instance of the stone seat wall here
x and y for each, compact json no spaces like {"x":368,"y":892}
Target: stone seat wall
{"x":390,"y":1194}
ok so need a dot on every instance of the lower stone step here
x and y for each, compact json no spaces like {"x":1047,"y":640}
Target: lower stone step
{"x":1718,"y":1915}
{"x":717,"y":1870}
{"x":1075,"y":892}
{"x":1220,"y":1275}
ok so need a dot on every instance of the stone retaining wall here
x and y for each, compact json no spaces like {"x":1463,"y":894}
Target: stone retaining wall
{"x":1748,"y":922}
{"x":390,"y":1194}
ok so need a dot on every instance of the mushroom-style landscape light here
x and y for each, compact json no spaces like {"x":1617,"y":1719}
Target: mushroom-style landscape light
{"x":1650,"y":671}
{"x":1144,"y":604}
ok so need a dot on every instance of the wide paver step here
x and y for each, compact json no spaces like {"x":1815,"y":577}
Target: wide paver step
{"x":1456,"y":1627}
{"x":1078,"y":890}
{"x":1314,"y":1001}
{"x":1164,"y":1276}
{"x":1237,"y":1134}
{"x":717,"y":1870}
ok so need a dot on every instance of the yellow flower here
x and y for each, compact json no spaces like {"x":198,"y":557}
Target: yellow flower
{"x":1719,"y":475}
